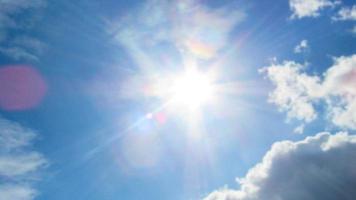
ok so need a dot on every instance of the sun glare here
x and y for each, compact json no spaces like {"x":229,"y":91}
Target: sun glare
{"x":192,"y":90}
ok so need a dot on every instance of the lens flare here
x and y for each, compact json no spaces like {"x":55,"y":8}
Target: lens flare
{"x":21,"y":88}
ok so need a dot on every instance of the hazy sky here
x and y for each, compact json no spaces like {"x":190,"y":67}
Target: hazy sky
{"x":178,"y":100}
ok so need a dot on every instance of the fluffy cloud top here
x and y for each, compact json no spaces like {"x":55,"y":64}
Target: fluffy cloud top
{"x":297,"y":93}
{"x":318,"y":167}
{"x":19,"y":164}
{"x":309,"y":8}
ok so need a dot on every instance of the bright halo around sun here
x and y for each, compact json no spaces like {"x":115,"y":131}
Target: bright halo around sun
{"x":192,"y":90}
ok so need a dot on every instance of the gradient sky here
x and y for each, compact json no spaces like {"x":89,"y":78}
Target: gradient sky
{"x":83,"y":115}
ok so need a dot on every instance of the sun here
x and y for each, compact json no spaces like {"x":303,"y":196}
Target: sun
{"x":192,"y":89}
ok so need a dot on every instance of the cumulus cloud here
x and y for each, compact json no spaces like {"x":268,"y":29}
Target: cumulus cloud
{"x":318,"y":167}
{"x":294,"y":92}
{"x":301,"y":47}
{"x":297,"y":92}
{"x":19,"y":164}
{"x":340,"y":86}
{"x":19,"y":46}
{"x":309,"y":8}
{"x":346,"y":13}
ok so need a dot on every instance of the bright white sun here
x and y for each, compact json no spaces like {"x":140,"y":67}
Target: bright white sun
{"x":192,"y":90}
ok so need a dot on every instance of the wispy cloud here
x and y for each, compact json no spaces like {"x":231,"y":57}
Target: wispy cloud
{"x":193,"y":30}
{"x":318,"y":167}
{"x":346,"y":13}
{"x":23,"y":48}
{"x":162,"y":35}
{"x":17,"y":192}
{"x":18,"y":53}
{"x":19,"y":46}
{"x":20,"y":165}
{"x":10,"y":8}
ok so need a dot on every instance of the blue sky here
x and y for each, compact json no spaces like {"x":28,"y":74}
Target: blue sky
{"x":177,"y":99}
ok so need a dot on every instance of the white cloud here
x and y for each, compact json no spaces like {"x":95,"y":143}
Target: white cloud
{"x":318,"y":167}
{"x":297,"y":93}
{"x":309,"y":8}
{"x":294,"y":91}
{"x":340,"y":86}
{"x":346,"y":13}
{"x":301,"y":47}
{"x":13,"y":136}
{"x":17,"y":192}
{"x":19,"y":164}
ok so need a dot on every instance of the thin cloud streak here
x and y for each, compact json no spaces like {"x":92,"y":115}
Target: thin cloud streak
{"x":20,"y":165}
